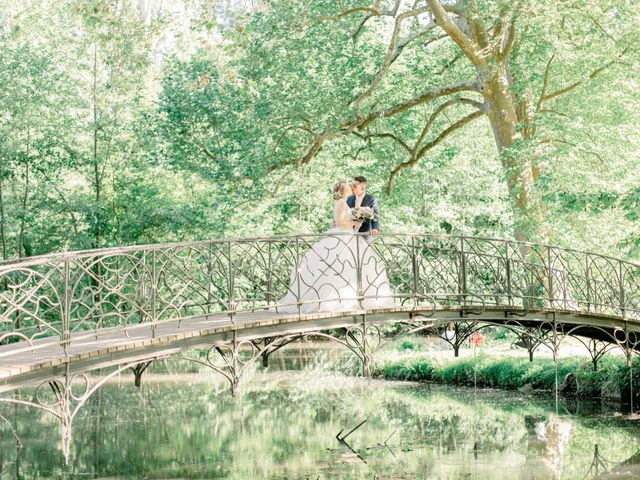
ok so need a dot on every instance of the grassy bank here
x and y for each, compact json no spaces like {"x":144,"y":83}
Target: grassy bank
{"x":610,"y":380}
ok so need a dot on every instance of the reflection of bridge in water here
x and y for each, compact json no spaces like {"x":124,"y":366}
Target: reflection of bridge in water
{"x":66,"y":314}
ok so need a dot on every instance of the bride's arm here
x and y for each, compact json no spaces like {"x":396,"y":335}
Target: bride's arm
{"x":340,"y":218}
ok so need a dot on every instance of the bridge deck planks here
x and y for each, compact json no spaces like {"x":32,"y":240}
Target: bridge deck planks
{"x":46,"y":355}
{"x":20,"y":357}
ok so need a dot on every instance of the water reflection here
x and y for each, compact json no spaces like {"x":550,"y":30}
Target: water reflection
{"x":288,"y":425}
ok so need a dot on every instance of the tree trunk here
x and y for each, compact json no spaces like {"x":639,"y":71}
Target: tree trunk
{"x":3,"y":238}
{"x":518,"y":169}
{"x":97,"y":270}
{"x":96,"y":166}
{"x":25,"y":197}
{"x":144,"y":10}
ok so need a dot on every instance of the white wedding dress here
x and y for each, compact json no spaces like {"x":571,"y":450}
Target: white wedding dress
{"x":326,"y":279}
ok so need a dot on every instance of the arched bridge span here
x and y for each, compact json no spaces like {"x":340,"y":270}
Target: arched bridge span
{"x":69,"y":313}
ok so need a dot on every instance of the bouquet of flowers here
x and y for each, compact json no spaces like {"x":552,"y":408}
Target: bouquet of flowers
{"x":363,"y":214}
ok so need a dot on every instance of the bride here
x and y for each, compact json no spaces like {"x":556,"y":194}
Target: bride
{"x":326,"y":279}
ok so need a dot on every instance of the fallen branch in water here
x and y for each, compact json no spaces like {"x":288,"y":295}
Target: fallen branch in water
{"x":343,"y":442}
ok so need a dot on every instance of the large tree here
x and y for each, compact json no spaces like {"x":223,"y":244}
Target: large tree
{"x":258,"y":109}
{"x":419,"y":72}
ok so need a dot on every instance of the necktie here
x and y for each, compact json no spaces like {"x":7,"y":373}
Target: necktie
{"x":358,"y":201}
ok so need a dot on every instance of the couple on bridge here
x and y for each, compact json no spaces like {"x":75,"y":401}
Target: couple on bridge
{"x":342,"y":271}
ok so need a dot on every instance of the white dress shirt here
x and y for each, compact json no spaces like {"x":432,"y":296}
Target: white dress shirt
{"x":359,"y":201}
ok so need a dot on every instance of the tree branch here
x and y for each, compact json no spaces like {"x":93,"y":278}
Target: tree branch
{"x":360,"y":124}
{"x":448,"y":65}
{"x":412,"y":150}
{"x":391,"y":13}
{"x":435,"y":39}
{"x":565,"y":142}
{"x":505,"y":32}
{"x":598,"y":25}
{"x":315,"y":147}
{"x":548,"y":110}
{"x":575,"y":85}
{"x":507,"y":42}
{"x":279,"y":183}
{"x":373,"y":11}
{"x":545,"y":83}
{"x":392,"y":136}
{"x":452,"y":128}
{"x":457,"y":35}
{"x":208,"y":153}
{"x":459,"y":124}
{"x":286,"y":130}
{"x":478,"y":30}
{"x":393,"y":51}
{"x":357,"y":31}
{"x":438,"y":92}
{"x":436,"y":113}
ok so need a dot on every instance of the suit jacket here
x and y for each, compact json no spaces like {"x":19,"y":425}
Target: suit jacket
{"x":367,"y":201}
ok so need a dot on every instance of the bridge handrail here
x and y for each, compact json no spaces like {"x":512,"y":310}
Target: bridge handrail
{"x":62,"y":293}
{"x":38,"y":259}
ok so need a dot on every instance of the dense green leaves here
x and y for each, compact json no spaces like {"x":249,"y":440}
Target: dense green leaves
{"x":122,"y":122}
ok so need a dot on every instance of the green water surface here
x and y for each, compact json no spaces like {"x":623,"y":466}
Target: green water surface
{"x":284,"y":426}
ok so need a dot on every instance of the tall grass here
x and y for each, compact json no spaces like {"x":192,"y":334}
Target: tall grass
{"x":611,"y":378}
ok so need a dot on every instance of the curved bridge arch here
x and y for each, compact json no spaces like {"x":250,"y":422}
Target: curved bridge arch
{"x":89,"y":309}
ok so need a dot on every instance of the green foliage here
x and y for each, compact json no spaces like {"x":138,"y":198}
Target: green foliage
{"x":120,"y":125}
{"x":503,"y":334}
{"x":611,"y":378}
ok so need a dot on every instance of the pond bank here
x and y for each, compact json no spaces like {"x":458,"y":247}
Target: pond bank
{"x":610,"y":380}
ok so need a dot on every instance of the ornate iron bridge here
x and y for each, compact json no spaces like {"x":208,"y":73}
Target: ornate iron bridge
{"x":66,"y":314}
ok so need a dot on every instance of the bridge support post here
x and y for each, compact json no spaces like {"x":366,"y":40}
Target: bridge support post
{"x":66,"y":309}
{"x":527,"y":339}
{"x":235,"y":374}
{"x":223,"y":358}
{"x":138,"y":370}
{"x":463,"y":330}
{"x":462,"y":284}
{"x":230,"y":370}
{"x":597,"y":349}
{"x":235,"y":387}
{"x":366,"y":367}
{"x":359,"y":275}
{"x":268,"y":345}
{"x":231,"y":304}
{"x":629,"y":342}
{"x":366,"y":360}
{"x":356,"y":340}
{"x":226,"y":365}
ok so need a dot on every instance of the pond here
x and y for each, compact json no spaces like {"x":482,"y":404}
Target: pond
{"x":296,"y":424}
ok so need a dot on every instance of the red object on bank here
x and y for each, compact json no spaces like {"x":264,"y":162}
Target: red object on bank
{"x":476,"y":339}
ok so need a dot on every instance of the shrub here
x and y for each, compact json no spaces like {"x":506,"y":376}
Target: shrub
{"x":611,"y":378}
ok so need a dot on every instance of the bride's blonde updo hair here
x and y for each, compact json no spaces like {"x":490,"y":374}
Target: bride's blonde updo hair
{"x":340,"y":190}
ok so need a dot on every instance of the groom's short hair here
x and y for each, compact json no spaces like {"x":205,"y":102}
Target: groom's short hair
{"x":360,"y":179}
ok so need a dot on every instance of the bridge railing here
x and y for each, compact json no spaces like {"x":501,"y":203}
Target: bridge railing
{"x":58,"y":295}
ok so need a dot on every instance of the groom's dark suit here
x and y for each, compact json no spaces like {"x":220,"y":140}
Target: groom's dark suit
{"x":367,"y":201}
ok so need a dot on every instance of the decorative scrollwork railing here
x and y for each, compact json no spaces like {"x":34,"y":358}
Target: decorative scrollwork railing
{"x":57,"y":295}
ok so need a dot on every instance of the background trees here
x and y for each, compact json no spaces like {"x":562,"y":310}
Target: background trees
{"x":127,"y":121}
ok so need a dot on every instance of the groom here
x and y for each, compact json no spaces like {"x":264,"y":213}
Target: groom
{"x":361,"y":198}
